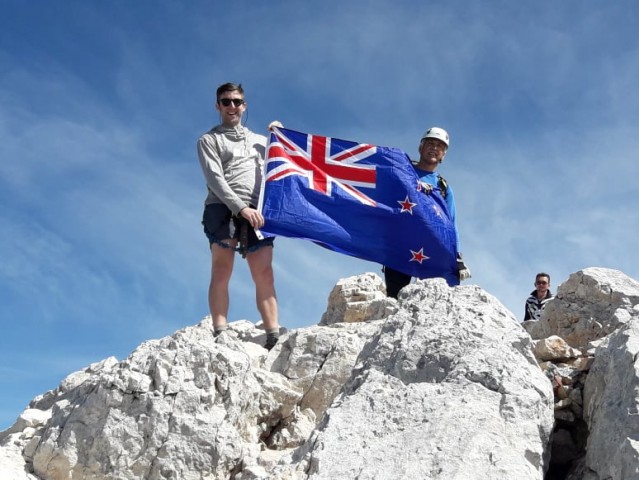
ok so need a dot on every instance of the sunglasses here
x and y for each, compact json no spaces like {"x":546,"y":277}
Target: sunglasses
{"x":542,"y":283}
{"x":227,"y":101}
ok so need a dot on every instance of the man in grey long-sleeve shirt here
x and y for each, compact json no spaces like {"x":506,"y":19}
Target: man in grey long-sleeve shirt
{"x":231,"y":157}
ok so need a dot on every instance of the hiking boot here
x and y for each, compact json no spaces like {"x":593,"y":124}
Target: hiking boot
{"x":271,"y":341}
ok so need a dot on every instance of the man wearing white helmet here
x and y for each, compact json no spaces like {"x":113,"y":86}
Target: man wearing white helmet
{"x":432,"y":150}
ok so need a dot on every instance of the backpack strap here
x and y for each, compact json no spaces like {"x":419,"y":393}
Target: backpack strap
{"x":442,"y":184}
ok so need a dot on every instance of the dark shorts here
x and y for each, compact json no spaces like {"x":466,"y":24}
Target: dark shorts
{"x":220,"y":226}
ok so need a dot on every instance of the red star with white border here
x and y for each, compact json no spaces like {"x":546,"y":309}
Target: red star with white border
{"x":419,"y":256}
{"x":407,"y":205}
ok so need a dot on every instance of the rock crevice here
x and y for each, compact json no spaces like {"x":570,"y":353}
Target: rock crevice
{"x":442,"y":383}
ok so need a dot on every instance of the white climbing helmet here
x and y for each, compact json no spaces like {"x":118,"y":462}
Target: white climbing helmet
{"x":438,"y":133}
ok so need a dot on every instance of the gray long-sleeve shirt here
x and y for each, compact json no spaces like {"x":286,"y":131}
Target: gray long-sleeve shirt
{"x":231,"y":159}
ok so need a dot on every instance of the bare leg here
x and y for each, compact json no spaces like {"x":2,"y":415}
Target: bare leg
{"x":260,"y":263}
{"x":221,"y":270}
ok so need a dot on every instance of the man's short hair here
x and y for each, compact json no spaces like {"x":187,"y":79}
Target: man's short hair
{"x":228,"y":87}
{"x":542,"y":274}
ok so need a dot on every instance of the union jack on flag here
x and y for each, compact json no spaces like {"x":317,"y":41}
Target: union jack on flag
{"x":358,"y":199}
{"x":322,"y":166}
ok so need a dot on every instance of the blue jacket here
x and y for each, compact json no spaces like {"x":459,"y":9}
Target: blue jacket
{"x":432,"y":178}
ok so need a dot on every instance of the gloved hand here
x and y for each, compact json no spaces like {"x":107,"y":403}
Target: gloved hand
{"x":463,"y":272}
{"x":275,"y":123}
{"x":426,"y":188}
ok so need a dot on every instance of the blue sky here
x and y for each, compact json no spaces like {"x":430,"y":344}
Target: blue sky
{"x":101,"y":192}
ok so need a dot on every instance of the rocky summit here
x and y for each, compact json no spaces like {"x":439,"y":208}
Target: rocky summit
{"x":442,"y":383}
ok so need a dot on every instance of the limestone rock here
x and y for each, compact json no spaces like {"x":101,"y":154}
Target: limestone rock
{"x":554,"y":348}
{"x":319,"y":360}
{"x":591,"y":304}
{"x":611,"y":401}
{"x":586,"y":341}
{"x":448,"y":390}
{"x":444,"y":387}
{"x":357,"y":299}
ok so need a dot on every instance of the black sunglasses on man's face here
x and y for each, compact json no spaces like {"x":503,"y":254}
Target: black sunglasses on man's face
{"x":227,"y":101}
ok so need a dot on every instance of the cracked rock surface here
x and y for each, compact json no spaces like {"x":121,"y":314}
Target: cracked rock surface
{"x":441,"y":384}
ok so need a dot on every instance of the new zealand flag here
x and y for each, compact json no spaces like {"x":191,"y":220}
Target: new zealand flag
{"x":357,"y":199}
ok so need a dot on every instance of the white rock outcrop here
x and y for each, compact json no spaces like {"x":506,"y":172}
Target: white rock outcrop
{"x":358,"y":299}
{"x":448,"y":389}
{"x":442,"y":385}
{"x":595,"y":380}
{"x":611,"y":405}
{"x":590,"y":305}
